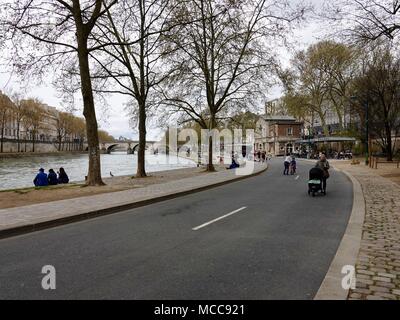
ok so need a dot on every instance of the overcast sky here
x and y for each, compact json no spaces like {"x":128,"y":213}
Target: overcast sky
{"x":115,"y":119}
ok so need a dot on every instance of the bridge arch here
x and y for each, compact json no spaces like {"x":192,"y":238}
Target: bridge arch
{"x":111,"y":147}
{"x":136,"y":147}
{"x":128,"y":146}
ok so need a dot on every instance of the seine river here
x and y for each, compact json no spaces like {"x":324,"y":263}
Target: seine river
{"x":20,"y":172}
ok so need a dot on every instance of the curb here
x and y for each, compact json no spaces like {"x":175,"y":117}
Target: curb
{"x":347,"y":253}
{"x":29,"y":228}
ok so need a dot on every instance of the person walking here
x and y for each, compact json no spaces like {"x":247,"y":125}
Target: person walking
{"x":41,"y":179}
{"x":293,"y":166}
{"x":286,"y":164}
{"x":263,"y":156}
{"x":323,"y":164}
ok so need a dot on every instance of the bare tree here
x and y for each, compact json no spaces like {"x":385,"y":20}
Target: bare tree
{"x":365,"y":20}
{"x":132,"y":65}
{"x":64,"y":126}
{"x":223,"y":57}
{"x":378,"y":84}
{"x":33,"y":119}
{"x":79,"y":132}
{"x":6,"y":106}
{"x":320,"y":80}
{"x":341,"y":65}
{"x":308,"y":89}
{"x":56,"y":33}
{"x":18,"y":114}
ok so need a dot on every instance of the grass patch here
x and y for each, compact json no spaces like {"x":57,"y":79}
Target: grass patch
{"x":47,"y":188}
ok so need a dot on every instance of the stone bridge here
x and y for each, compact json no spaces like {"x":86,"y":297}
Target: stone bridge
{"x":129,"y":146}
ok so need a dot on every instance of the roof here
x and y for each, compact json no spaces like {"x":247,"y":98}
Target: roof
{"x":327,"y":139}
{"x":290,"y":122}
{"x":279,"y":118}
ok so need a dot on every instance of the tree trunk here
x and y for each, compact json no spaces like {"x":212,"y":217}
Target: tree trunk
{"x":340,"y":117}
{"x":18,"y":142}
{"x":323,"y":124}
{"x":141,"y":170}
{"x":3,"y":125}
{"x":94,"y":174}
{"x":210,"y":165}
{"x":388,"y":142}
{"x":2,"y":138}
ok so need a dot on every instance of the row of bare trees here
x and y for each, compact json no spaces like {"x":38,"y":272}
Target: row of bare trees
{"x":25,"y":116}
{"x":339,"y":77}
{"x":27,"y":119}
{"x":70,"y":131}
{"x":318,"y":81}
{"x":199,"y":60}
{"x":193,"y":60}
{"x":331,"y":78}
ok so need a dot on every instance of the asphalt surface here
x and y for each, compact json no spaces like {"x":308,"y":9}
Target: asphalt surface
{"x":279,"y":247}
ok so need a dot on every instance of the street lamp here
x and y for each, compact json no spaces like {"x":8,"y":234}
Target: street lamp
{"x":366,"y":112}
{"x":366,"y":107}
{"x":309,"y":142}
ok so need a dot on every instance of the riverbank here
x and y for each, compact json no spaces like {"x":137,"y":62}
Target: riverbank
{"x":19,"y":172}
{"x":28,"y":196}
{"x":18,"y":155}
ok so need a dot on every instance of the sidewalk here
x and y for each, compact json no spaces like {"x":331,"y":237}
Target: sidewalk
{"x":378,"y":262}
{"x":34,"y":217}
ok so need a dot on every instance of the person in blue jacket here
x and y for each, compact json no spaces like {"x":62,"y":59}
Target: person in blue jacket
{"x":52,"y":178}
{"x":234,"y":164}
{"x":41,"y":179}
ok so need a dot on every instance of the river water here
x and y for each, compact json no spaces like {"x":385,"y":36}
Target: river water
{"x":20,"y":172}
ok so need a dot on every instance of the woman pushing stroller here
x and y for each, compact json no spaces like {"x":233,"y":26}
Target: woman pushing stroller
{"x":323,"y":164}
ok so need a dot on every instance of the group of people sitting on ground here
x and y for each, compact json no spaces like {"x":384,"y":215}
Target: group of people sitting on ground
{"x":43,"y":179}
{"x":289,"y":165}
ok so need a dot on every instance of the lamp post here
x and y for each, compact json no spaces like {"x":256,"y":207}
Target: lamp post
{"x":366,"y":132}
{"x":309,"y":142}
{"x":366,"y":112}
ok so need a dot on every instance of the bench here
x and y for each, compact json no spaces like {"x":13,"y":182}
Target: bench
{"x":373,"y":163}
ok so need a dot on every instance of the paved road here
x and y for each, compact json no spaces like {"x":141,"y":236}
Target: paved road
{"x":279,"y":247}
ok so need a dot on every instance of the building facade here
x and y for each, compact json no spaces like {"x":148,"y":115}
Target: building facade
{"x":21,"y":137}
{"x":277,"y":134}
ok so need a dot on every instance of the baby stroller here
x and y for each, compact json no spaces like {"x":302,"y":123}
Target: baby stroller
{"x":315,"y":182}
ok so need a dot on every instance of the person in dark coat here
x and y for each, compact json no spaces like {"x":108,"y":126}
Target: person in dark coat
{"x":293,"y":166}
{"x":52,"y":178}
{"x":323,"y":164}
{"x":41,"y":179}
{"x":62,"y":176}
{"x":234,"y":164}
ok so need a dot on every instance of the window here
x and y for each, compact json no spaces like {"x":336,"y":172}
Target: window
{"x":289,"y":131}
